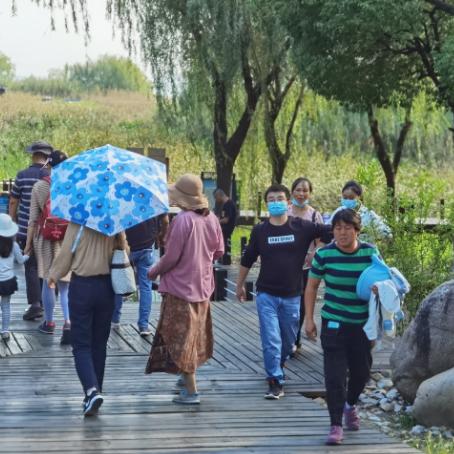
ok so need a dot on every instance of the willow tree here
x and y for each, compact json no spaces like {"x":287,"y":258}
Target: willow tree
{"x":208,"y":38}
{"x":283,"y":91}
{"x":337,"y":51}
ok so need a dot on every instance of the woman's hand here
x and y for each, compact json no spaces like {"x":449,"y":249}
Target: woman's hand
{"x":51,"y":283}
{"x":152,"y":275}
{"x":374,"y":289}
{"x":310,"y":328}
{"x":28,"y":249}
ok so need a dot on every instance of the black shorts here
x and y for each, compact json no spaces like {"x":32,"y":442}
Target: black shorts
{"x":8,"y":287}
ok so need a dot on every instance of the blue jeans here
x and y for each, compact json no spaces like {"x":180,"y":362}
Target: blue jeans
{"x":48,"y":298}
{"x":278,"y":318}
{"x":91,"y":303}
{"x":142,"y":261}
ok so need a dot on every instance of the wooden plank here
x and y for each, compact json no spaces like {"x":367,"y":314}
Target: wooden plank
{"x":41,"y":398}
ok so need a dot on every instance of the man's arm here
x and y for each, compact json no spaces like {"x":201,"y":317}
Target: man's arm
{"x":13,"y":206}
{"x":310,"y":296}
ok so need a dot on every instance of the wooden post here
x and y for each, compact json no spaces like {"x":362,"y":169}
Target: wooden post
{"x":442,"y":208}
{"x":243,"y":243}
{"x":220,"y":275}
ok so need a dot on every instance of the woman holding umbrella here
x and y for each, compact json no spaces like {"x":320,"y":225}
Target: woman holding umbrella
{"x":102,"y":192}
{"x":184,"y":336}
{"x":91,"y":303}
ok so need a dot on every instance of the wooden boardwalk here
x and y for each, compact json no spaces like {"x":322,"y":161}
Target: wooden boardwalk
{"x":41,"y":397}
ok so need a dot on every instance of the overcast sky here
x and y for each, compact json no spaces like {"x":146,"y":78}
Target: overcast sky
{"x":34,"y":49}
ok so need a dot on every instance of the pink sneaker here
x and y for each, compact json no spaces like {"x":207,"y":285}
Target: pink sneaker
{"x":351,"y":418}
{"x":335,"y":436}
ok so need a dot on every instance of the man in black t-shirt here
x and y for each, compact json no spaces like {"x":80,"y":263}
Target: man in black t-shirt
{"x":227,"y":219}
{"x":281,"y":242}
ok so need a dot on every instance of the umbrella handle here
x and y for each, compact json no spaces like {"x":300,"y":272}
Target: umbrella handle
{"x":77,"y":239}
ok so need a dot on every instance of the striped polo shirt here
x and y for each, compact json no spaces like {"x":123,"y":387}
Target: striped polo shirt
{"x":341,"y":271}
{"x":22,"y":190}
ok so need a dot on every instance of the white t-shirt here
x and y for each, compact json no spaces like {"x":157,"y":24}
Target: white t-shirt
{"x":7,"y":263}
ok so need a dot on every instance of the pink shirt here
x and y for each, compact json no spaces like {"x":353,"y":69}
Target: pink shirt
{"x":308,"y":215}
{"x":192,"y":244}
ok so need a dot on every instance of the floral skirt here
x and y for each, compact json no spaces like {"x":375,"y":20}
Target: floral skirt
{"x":184,"y":337}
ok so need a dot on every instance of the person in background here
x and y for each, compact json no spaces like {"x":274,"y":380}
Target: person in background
{"x":9,"y":253}
{"x":346,"y":348}
{"x":281,"y":242}
{"x":373,"y":226}
{"x":227,"y":219}
{"x":88,"y":254}
{"x":301,"y":192}
{"x":19,"y":209}
{"x":184,"y":337}
{"x":142,"y":240}
{"x":45,"y":251}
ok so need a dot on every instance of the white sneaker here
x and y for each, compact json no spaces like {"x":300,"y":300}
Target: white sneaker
{"x":6,"y":336}
{"x":115,"y":325}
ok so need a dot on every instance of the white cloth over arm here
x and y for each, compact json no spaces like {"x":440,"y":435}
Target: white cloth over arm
{"x":389,"y":300}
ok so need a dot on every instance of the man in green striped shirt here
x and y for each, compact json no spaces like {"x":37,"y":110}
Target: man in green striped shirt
{"x":346,"y":349}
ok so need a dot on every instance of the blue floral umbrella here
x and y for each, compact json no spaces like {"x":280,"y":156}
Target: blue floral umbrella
{"x":109,"y":189}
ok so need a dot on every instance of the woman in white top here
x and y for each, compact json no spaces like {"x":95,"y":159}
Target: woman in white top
{"x":301,"y":192}
{"x":373,"y":226}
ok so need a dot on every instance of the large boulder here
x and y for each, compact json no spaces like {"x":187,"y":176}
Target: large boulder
{"x":427,"y":345}
{"x":434,"y":403}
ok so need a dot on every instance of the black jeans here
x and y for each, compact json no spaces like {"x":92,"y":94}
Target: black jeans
{"x":302,"y":309}
{"x":32,"y":280}
{"x":345,"y":349}
{"x":91,"y":305}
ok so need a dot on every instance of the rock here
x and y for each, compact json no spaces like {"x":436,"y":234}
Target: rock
{"x":377,"y":376}
{"x":386,"y":406}
{"x":409,"y":409}
{"x":427,"y":345}
{"x":448,"y":434}
{"x":417,"y":430}
{"x":434,"y":430}
{"x":392,"y":394}
{"x":377,"y":394}
{"x":368,"y":402}
{"x":397,"y":408}
{"x":374,"y":418}
{"x":434,"y":403}
{"x":385,"y":383}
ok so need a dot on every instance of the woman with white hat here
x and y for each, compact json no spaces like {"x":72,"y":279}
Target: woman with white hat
{"x":9,"y":252}
{"x":184,"y":336}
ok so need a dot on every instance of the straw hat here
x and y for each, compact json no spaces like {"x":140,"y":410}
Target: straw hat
{"x":187,"y":193}
{"x":8,"y":228}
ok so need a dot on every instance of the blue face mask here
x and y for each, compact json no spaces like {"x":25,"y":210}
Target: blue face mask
{"x":277,"y":208}
{"x":298,"y":204}
{"x":349,"y":203}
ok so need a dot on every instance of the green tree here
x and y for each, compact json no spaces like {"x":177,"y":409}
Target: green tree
{"x":283,"y":92}
{"x":205,"y":42}
{"x":208,"y":44}
{"x":7,"y":71}
{"x":337,"y":52}
{"x":107,"y":73}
